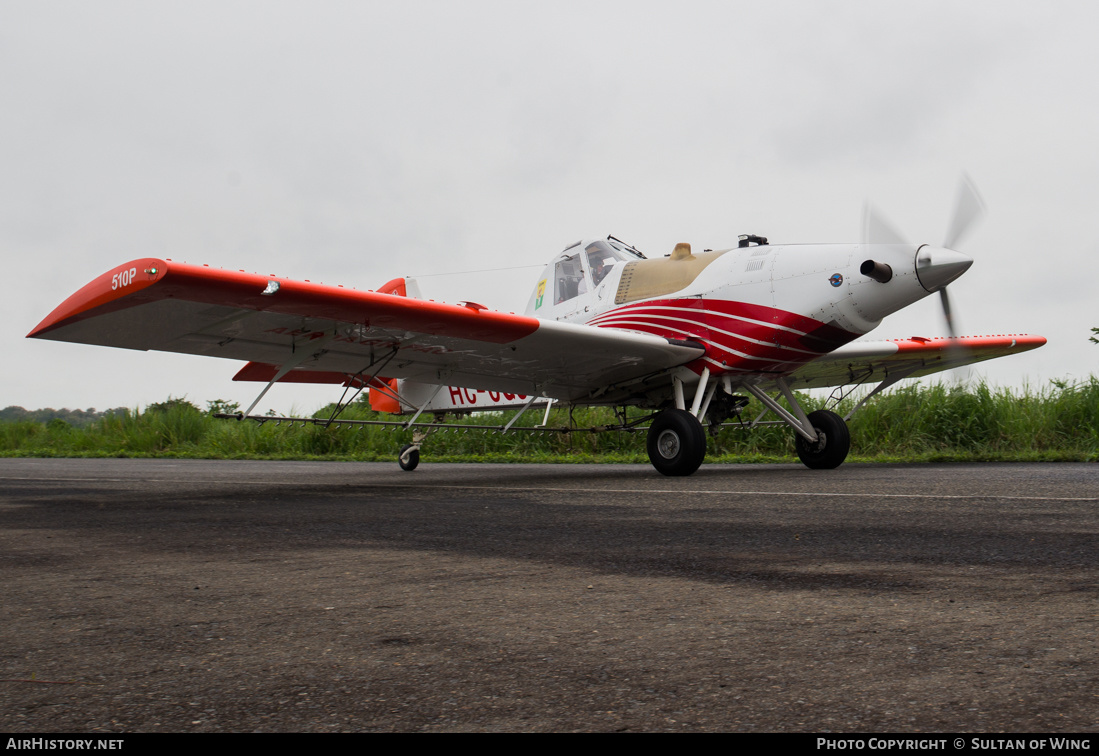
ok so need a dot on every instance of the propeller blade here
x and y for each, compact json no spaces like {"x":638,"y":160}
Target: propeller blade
{"x":936,"y":267}
{"x":877,"y":230}
{"x":954,"y":352}
{"x":945,"y":299}
{"x":968,"y":208}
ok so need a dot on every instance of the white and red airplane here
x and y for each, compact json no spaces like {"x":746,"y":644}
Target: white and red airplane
{"x":677,"y":336}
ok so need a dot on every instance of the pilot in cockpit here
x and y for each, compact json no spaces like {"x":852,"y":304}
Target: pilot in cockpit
{"x":595,"y":262}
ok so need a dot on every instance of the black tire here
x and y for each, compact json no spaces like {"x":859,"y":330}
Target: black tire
{"x":676,"y":443}
{"x":835,"y":442}
{"x":413,"y":458}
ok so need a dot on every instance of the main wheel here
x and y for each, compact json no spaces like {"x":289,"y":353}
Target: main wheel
{"x":676,"y":443}
{"x":829,"y":451}
{"x":409,"y":457}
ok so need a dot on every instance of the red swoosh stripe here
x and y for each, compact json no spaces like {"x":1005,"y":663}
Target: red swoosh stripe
{"x":738,"y":336}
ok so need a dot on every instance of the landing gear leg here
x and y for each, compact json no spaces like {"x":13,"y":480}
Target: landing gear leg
{"x":823,"y":439}
{"x":676,"y":443}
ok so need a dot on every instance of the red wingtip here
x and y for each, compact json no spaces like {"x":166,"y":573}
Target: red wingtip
{"x":115,"y":284}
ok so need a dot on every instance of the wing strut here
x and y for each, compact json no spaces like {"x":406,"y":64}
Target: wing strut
{"x":549,"y":406}
{"x":889,"y":381}
{"x":341,"y":405}
{"x":420,"y":411}
{"x":286,"y":368}
{"x":520,"y":413}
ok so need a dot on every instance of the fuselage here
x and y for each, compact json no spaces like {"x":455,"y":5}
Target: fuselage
{"x":757,"y":309}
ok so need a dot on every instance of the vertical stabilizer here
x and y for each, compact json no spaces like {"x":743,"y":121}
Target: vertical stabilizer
{"x":402,"y":287}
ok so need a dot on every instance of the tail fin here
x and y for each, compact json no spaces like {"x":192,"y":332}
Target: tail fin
{"x":383,"y":400}
{"x":402,"y":287}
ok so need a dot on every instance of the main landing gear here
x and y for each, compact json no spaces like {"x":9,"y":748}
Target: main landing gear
{"x":676,"y":442}
{"x":832,"y":444}
{"x":822,"y":440}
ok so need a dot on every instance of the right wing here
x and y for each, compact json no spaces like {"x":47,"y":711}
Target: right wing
{"x":875,"y":361}
{"x":326,"y":330}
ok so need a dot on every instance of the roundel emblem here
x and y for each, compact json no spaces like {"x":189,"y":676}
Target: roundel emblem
{"x":836,"y":279}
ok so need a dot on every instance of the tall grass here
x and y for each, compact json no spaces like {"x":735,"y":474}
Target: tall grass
{"x":979,"y":421}
{"x":937,"y":422}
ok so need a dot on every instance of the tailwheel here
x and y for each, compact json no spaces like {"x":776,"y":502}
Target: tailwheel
{"x":676,"y":443}
{"x":409,"y":457}
{"x":832,"y":444}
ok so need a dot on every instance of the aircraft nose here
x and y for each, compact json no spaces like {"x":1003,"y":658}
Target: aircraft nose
{"x":938,"y":266}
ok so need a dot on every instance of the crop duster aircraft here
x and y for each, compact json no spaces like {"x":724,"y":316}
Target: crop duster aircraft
{"x":685,"y":338}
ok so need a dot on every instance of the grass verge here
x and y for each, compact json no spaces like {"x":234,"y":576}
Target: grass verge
{"x":938,"y":423}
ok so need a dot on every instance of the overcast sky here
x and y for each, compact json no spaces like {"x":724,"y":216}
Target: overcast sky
{"x":354,"y":142}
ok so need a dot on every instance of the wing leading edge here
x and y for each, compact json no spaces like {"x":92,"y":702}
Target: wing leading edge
{"x":153,"y":304}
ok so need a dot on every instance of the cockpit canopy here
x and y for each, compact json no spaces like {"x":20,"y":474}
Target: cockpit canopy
{"x":583,"y":270}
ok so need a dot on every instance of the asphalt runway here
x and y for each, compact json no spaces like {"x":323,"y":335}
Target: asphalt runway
{"x":184,"y":595}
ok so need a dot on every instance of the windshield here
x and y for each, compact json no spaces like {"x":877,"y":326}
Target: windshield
{"x":602,"y":256}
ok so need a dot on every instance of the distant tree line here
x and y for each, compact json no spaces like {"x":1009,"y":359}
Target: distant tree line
{"x":79,"y":418}
{"x":75,"y":417}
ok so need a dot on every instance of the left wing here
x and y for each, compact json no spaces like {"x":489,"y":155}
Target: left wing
{"x":313,"y":328}
{"x":875,"y":361}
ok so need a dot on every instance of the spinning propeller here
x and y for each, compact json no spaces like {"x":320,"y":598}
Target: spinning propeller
{"x":968,"y":208}
{"x":936,"y":267}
